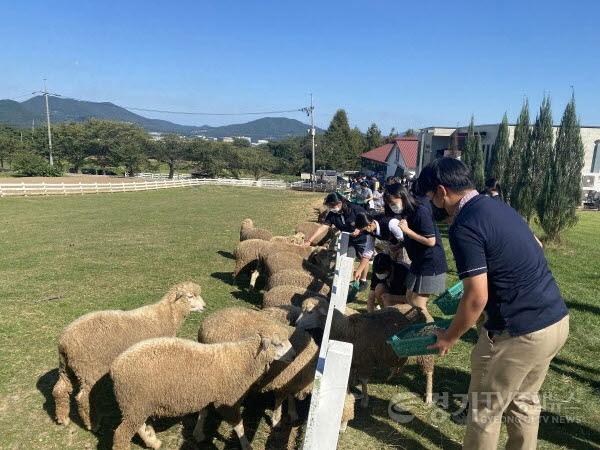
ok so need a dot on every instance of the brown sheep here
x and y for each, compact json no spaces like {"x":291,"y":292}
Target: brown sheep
{"x":171,"y":377}
{"x":300,"y":278}
{"x":88,"y":345}
{"x":368,"y":332}
{"x":308,"y":228}
{"x":318,"y":263}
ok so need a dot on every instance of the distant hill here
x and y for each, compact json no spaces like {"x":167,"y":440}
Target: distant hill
{"x":67,"y":110}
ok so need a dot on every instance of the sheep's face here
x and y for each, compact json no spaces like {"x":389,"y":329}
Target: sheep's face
{"x":247,"y":223}
{"x":314,"y":314}
{"x":190,"y":293}
{"x":324,"y":259}
{"x":281,"y":350}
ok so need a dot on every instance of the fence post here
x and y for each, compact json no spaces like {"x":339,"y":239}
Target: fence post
{"x":45,"y":188}
{"x":96,"y":187}
{"x":80,"y":188}
{"x":1,"y":191}
{"x":64,"y":191}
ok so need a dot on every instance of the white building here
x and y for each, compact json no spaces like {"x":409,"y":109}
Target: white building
{"x":435,"y":142}
{"x":228,"y":139}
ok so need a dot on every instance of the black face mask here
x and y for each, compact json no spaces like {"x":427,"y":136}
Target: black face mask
{"x":439,"y":214}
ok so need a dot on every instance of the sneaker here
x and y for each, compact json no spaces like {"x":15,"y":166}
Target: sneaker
{"x":460,"y":417}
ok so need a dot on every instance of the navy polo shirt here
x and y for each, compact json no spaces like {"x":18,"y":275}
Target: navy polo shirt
{"x":425,"y":260}
{"x":490,"y":236}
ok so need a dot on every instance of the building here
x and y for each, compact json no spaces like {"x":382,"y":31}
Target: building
{"x":398,"y":158}
{"x":228,"y":139}
{"x":435,"y":142}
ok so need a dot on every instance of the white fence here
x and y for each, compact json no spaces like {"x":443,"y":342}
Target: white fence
{"x":27,"y":189}
{"x":333,"y":366}
{"x":162,"y":176}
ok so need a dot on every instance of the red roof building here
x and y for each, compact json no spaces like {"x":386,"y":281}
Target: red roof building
{"x":394,"y":159}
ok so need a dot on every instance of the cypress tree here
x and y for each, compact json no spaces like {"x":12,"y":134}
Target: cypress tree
{"x":513,"y":165}
{"x":561,"y":192}
{"x":373,"y":137}
{"x":500,"y":152}
{"x":476,"y":162}
{"x":336,"y":152}
{"x":470,"y":144}
{"x":534,"y":162}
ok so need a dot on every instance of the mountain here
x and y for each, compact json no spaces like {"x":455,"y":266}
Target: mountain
{"x":68,"y":110}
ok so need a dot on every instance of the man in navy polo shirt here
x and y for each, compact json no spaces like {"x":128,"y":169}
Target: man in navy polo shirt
{"x":505,"y":274}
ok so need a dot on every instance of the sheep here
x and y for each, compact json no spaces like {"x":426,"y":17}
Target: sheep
{"x":294,"y":239}
{"x":171,"y":377}
{"x":318,"y":263}
{"x":88,"y":345}
{"x":247,"y":231}
{"x":309,"y":228}
{"x":287,"y":314}
{"x":368,"y":332}
{"x":248,"y":253}
{"x":300,"y":278}
{"x":293,"y":380}
{"x":287,"y":295}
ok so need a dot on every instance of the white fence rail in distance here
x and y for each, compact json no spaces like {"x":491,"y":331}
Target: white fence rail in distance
{"x":31,"y":189}
{"x":333,"y":367}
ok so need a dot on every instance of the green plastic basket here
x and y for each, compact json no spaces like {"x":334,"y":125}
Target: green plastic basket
{"x":353,"y":291}
{"x":448,"y":301}
{"x":409,"y":343}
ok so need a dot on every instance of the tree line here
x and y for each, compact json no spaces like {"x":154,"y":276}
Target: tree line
{"x":108,"y":147}
{"x":540,"y":173}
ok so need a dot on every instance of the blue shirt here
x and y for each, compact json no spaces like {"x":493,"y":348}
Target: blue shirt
{"x":490,"y":236}
{"x":425,"y":260}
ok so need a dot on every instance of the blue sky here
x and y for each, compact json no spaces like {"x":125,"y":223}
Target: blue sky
{"x":400,"y":64}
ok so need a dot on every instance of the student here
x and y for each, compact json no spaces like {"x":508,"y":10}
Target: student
{"x":505,"y":273}
{"x":364,"y":195}
{"x":378,"y":199}
{"x":493,"y":189}
{"x":388,"y":282}
{"x":423,"y":244}
{"x":342,"y":215}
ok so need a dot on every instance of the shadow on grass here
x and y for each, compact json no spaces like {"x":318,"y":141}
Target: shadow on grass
{"x":225,"y":254}
{"x":583,"y":307}
{"x":566,"y":433}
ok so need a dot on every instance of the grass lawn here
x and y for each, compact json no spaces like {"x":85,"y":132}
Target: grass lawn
{"x":61,"y":257}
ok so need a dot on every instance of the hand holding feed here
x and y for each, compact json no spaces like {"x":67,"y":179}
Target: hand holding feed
{"x":444,"y":343}
{"x":403,"y":224}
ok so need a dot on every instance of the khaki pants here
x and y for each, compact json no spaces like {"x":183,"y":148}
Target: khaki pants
{"x":506,"y":375}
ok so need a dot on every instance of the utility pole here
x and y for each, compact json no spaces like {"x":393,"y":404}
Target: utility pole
{"x":45,"y":93}
{"x":310,"y":112}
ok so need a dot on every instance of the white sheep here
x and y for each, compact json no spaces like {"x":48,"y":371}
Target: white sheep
{"x":88,"y":345}
{"x":286,"y":382}
{"x":171,"y":377}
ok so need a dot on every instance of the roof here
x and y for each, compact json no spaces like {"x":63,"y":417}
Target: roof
{"x":408,"y":146}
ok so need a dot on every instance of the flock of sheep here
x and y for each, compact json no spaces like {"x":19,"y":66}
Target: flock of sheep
{"x":239,"y":350}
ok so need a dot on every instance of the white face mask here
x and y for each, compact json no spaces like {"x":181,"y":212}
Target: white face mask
{"x":381,"y":276}
{"x":335,"y":210}
{"x":396,"y":208}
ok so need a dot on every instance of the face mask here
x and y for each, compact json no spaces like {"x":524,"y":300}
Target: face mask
{"x":335,"y":210}
{"x":381,"y":276}
{"x":397,"y":209}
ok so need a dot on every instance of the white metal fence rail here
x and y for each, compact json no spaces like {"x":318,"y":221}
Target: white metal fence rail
{"x":31,"y":189}
{"x":333,"y":366}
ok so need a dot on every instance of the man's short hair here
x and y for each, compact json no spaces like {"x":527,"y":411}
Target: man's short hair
{"x":448,"y":172}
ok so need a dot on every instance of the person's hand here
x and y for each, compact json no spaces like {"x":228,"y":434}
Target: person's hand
{"x":355,"y":233}
{"x":357,"y":275}
{"x":403,"y":224}
{"x":306,"y":244}
{"x":443,"y":343}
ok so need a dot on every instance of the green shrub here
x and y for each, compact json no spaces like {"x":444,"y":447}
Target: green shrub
{"x":27,"y":164}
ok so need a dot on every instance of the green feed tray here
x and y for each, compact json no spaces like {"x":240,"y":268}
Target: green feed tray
{"x":353,"y":290}
{"x":448,"y":301}
{"x":413,"y":340}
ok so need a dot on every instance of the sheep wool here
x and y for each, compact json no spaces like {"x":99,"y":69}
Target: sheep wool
{"x":88,"y":345}
{"x":287,"y":295}
{"x":172,"y":377}
{"x":300,"y":278}
{"x":247,"y":231}
{"x":308,"y":228}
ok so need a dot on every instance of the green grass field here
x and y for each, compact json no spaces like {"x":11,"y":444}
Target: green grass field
{"x":61,"y":257}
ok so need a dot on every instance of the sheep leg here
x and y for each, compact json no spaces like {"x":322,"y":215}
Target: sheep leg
{"x":429,"y":388}
{"x":62,"y":393}
{"x":276,"y":417}
{"x":198,"y":432}
{"x":364,"y":402}
{"x":292,"y":409}
{"x":343,"y":426}
{"x":239,"y":431}
{"x":426,"y":364}
{"x":125,"y":432}
{"x":148,"y":435}
{"x":253,"y":278}
{"x":83,"y":405}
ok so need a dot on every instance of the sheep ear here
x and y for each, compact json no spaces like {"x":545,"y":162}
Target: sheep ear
{"x":265,"y":343}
